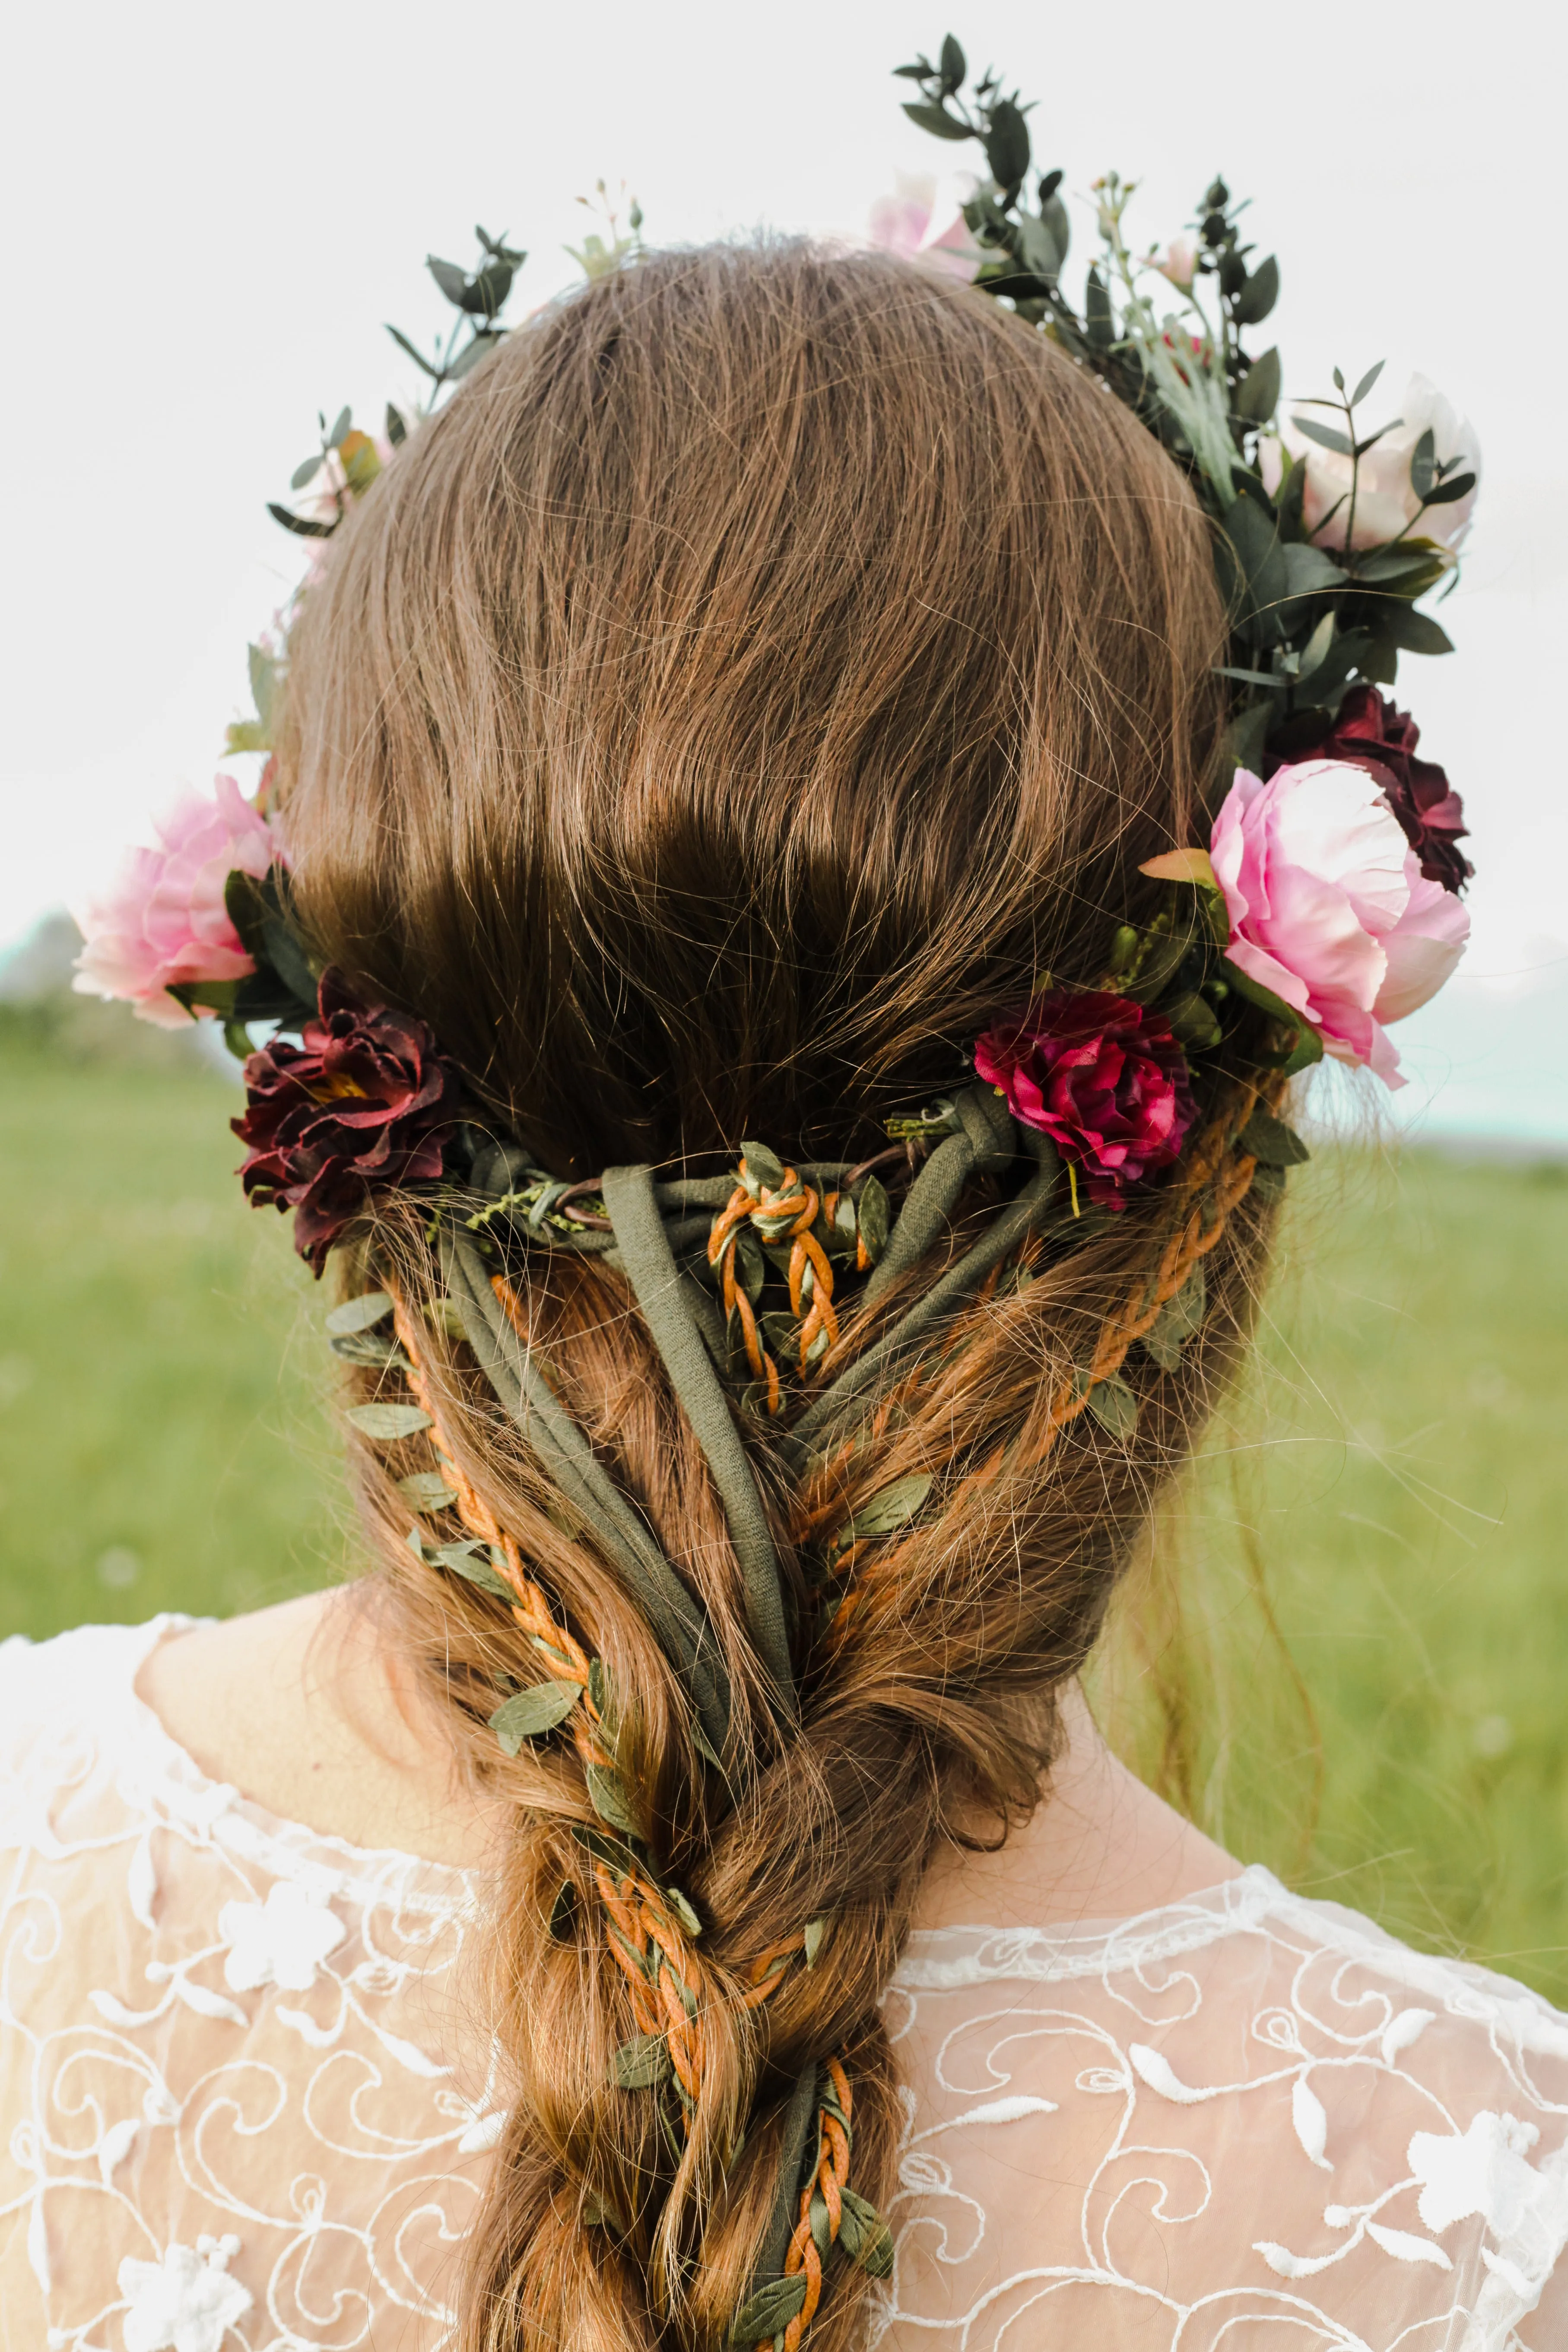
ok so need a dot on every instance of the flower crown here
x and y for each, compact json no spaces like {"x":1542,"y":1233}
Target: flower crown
{"x":1324,"y":907}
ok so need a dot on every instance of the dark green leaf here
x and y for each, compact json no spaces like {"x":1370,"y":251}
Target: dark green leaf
{"x":1365,"y":385}
{"x":1115,"y":1407}
{"x":1258,"y":394}
{"x":1414,"y":632}
{"x":388,"y":1422}
{"x":488,"y":289}
{"x":936,"y":119}
{"x":426,"y":1490}
{"x":1268,"y":1183}
{"x":1259,"y":294}
{"x":955,"y":64}
{"x":1270,"y":1142}
{"x":453,"y":281}
{"x":419,"y":358}
{"x":873,"y":2249}
{"x":1006,"y":143}
{"x":236,"y":1037}
{"x":873,"y":1214}
{"x":397,"y":426}
{"x":375,"y":1350}
{"x":763,"y":1166}
{"x":643,"y":2063}
{"x":682,"y":1909}
{"x":1327,"y":437}
{"x":607,"y":1795}
{"x":769,"y":2312}
{"x":1306,"y":1049}
{"x":1308,"y":569}
{"x":468,"y":1560}
{"x":893,"y":1507}
{"x":1424,"y":464}
{"x":1265,"y":998}
{"x":360,"y":1314}
{"x":302,"y":526}
{"x":1099,"y":323}
{"x":530,"y":1713}
{"x":1445,"y":493}
{"x":1193,"y":1020}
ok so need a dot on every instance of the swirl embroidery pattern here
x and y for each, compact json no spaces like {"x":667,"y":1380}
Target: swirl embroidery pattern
{"x":228,"y":2117}
{"x":1245,"y":2120}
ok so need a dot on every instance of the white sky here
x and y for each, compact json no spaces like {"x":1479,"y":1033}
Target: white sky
{"x":210,"y":211}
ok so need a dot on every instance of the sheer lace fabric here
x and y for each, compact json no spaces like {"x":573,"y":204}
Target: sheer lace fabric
{"x":240,"y":2103}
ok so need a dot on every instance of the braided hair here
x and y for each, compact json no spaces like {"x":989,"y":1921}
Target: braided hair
{"x":768,"y":668}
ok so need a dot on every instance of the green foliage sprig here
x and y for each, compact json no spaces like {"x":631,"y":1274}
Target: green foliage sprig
{"x":1307,"y":624}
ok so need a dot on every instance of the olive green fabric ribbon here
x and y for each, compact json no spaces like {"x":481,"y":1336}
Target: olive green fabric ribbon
{"x":655,"y":1234}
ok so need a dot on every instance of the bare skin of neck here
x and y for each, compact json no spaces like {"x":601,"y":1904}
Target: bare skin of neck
{"x":296,"y":1708}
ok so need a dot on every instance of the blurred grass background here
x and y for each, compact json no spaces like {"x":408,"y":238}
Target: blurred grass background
{"x":1363,"y":1608}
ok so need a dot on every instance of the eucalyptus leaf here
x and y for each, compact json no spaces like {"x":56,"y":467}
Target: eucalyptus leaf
{"x":306,"y":471}
{"x":1257,"y":396}
{"x":940,"y":124}
{"x":528,"y":1713}
{"x":955,"y":64}
{"x":607,"y":1795}
{"x":302,"y":526}
{"x":1327,"y":437}
{"x":453,"y":281}
{"x":1456,"y":486}
{"x":1365,"y":385}
{"x":873,"y":2247}
{"x":376,"y":1350}
{"x":1115,"y":1407}
{"x":463,"y":1561}
{"x":892,"y":1507}
{"x":874,"y":1217}
{"x":1414,"y":632}
{"x":768,"y":2312}
{"x":1006,"y":143}
{"x":472,"y":354}
{"x":682,"y":1908}
{"x":643,"y":2063}
{"x":1423,"y":464}
{"x":816,"y":1933}
{"x":419,"y":358}
{"x":388,"y":1422}
{"x":764,"y":1168}
{"x":1258,"y":294}
{"x":359,"y":1314}
{"x":397,"y":426}
{"x":426,"y":1490}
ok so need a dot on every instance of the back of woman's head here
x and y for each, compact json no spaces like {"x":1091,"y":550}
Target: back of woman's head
{"x":768,"y":670}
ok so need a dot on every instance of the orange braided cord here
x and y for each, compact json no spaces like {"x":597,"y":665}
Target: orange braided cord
{"x":769,"y":1969}
{"x":569,"y":1660}
{"x":665,"y":1979}
{"x":832,"y":2174}
{"x":784,"y":1213}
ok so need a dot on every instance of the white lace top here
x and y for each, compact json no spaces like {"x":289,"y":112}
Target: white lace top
{"x":234,"y":2108}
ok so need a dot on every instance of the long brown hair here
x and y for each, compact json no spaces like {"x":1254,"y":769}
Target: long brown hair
{"x":769,"y":668}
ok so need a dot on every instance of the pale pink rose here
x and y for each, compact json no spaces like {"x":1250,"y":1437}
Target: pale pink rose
{"x":923,"y":221}
{"x":1385,"y":504}
{"x":1329,"y":907}
{"x":1179,"y":262}
{"x":162,"y":919}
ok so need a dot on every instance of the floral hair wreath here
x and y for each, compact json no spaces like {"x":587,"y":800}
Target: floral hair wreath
{"x":1324,"y":907}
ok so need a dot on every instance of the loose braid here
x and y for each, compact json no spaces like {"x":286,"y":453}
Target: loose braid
{"x":765,"y":667}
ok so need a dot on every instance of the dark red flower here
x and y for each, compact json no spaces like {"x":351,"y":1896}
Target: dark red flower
{"x":1369,"y":731}
{"x":366,"y":1102}
{"x":1102,"y":1076}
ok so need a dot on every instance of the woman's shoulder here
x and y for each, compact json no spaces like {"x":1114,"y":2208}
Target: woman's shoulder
{"x":1244,"y":2099}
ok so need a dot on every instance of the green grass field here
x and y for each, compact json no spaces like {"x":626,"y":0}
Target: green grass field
{"x":1391,"y":1486}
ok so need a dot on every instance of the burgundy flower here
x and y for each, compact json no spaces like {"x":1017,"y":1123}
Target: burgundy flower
{"x":1102,"y":1076}
{"x":1369,"y":731}
{"x":366,"y":1102}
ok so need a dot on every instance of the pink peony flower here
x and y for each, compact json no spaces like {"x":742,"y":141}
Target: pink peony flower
{"x":1102,"y":1076}
{"x":1386,"y":505}
{"x":924,"y":222}
{"x":1179,"y":262}
{"x":1329,"y":907}
{"x":163,"y":919}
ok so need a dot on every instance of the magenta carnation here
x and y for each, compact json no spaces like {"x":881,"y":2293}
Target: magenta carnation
{"x":1102,"y":1076}
{"x":162,"y":922}
{"x":365,"y":1102}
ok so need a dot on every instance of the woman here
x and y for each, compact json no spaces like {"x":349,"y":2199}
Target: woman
{"x":677,"y":1896}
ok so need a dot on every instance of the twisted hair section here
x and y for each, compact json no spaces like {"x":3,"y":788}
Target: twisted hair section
{"x":767,"y":669}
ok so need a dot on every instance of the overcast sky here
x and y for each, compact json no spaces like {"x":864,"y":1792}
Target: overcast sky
{"x":211,"y":210}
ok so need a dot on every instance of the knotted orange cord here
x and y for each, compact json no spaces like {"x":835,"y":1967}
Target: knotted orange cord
{"x":531,"y":1608}
{"x":831,"y":2178}
{"x":785,"y":1213}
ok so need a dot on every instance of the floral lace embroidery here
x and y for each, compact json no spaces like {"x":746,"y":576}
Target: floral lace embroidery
{"x":233,"y":2116}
